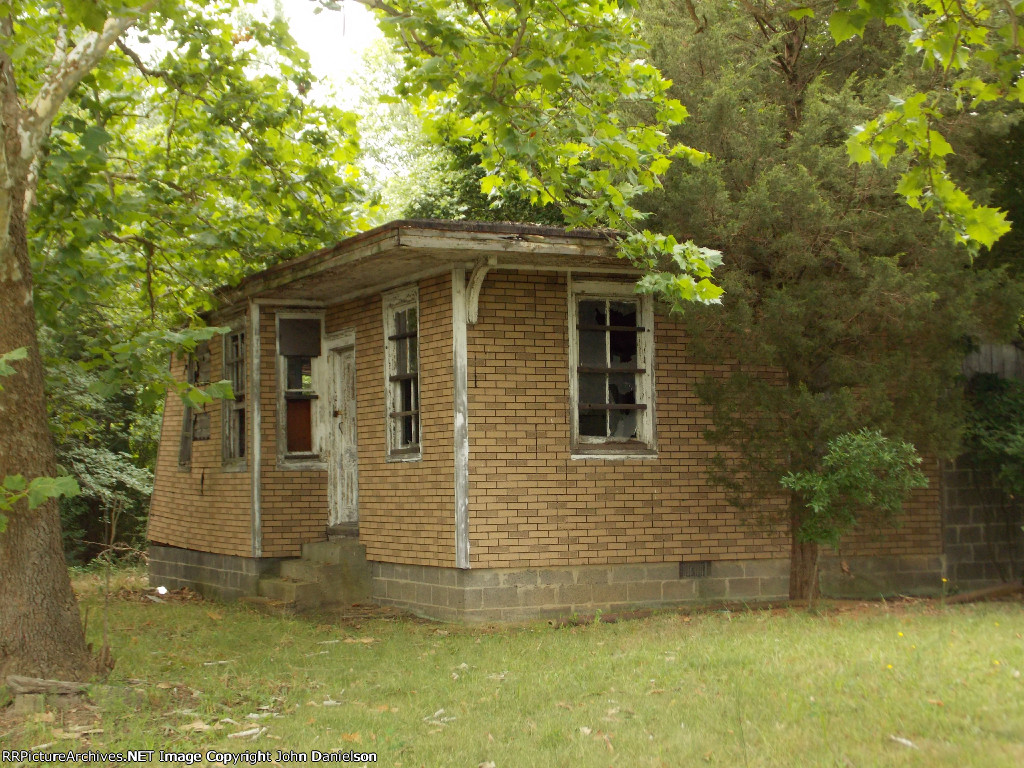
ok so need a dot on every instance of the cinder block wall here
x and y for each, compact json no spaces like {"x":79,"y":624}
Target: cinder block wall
{"x":203,"y":508}
{"x":983,"y":537}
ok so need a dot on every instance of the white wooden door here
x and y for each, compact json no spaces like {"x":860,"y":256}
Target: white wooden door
{"x":343,"y":464}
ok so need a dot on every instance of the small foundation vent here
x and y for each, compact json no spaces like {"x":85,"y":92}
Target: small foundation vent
{"x":697,"y":569}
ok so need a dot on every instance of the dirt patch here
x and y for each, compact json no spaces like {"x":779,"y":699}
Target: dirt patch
{"x":156,"y":595}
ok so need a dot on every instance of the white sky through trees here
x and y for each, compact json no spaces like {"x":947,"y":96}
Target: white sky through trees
{"x":334,"y":40}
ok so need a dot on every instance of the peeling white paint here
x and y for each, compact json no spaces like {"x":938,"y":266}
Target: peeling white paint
{"x":255,"y":424}
{"x":476,"y":283}
{"x":460,"y":377}
{"x":342,"y":445}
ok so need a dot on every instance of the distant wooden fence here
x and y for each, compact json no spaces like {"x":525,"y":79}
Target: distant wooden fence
{"x":1004,"y":360}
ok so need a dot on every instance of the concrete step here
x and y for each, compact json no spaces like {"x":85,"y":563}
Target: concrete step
{"x":298,"y":594}
{"x":302,"y":569}
{"x":329,"y":574}
{"x":339,"y":584}
{"x":338,"y":552}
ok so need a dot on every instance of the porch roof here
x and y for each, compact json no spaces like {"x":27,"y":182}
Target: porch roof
{"x":405,"y":250}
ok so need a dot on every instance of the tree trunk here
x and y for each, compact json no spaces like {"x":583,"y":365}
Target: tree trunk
{"x":40,"y":627}
{"x":803,"y":561}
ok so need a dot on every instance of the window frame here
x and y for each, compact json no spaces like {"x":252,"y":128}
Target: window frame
{"x":644,"y":444}
{"x":393,"y":302}
{"x":230,"y":408}
{"x":315,"y":458}
{"x":185,"y":443}
{"x":197,"y":374}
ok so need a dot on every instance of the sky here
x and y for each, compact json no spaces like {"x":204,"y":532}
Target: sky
{"x":334,"y":40}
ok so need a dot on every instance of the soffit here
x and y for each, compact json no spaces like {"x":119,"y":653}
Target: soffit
{"x":407,"y":250}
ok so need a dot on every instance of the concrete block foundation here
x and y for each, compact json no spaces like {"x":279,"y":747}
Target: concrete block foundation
{"x":874,"y":577}
{"x":224,"y":577}
{"x":516,"y":594}
{"x":519,"y":594}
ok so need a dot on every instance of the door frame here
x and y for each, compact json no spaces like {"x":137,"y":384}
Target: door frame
{"x":336,"y":345}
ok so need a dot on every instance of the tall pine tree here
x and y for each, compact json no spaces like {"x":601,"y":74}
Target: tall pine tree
{"x":857,"y":302}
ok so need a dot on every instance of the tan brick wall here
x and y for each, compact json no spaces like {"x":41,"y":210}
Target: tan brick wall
{"x":293,"y":502}
{"x":531,"y":504}
{"x":919,"y":531}
{"x":406,"y":509}
{"x":206,"y":508}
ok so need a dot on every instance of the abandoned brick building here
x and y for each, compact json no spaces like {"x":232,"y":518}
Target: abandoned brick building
{"x":470,"y":421}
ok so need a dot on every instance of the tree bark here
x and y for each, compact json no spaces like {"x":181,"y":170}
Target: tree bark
{"x":41,"y":631}
{"x":803,"y":561}
{"x":40,"y":627}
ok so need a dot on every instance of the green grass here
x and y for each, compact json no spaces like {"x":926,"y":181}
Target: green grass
{"x":753,"y":688}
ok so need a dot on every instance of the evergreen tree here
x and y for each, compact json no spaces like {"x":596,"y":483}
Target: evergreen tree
{"x":843,"y":308}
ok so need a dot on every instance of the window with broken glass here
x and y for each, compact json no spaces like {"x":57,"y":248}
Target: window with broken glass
{"x":403,"y":379}
{"x":234,"y":410}
{"x":612,"y":398}
{"x":195,"y":422}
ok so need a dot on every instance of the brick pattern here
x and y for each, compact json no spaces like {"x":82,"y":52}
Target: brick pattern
{"x":531,"y":593}
{"x":206,"y":508}
{"x":293,"y":502}
{"x":919,"y":531}
{"x":531,"y":504}
{"x":406,"y":509}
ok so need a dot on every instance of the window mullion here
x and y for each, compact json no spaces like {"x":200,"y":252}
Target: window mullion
{"x":608,"y":364}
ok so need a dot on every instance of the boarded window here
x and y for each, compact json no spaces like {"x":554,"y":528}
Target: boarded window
{"x":188,"y":416}
{"x":299,"y":336}
{"x":201,"y":426}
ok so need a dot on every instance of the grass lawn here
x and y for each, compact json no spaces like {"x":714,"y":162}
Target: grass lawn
{"x":905,"y":684}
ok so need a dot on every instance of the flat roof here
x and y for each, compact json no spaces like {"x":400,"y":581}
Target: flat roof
{"x":402,"y":251}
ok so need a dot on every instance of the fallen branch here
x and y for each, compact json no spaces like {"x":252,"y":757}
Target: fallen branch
{"x":28,"y":685}
{"x":1000,"y":590}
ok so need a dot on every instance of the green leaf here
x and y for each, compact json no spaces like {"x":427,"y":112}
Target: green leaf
{"x":939,"y":147}
{"x":661,"y":165}
{"x":15,"y":483}
{"x":489,"y":183}
{"x":800,"y":13}
{"x":858,"y":150}
{"x":847,"y":24}
{"x":6,"y":369}
{"x":551,"y":81}
{"x":94,"y":138}
{"x":220,"y":390}
{"x":42,"y":489}
{"x":986,"y":225}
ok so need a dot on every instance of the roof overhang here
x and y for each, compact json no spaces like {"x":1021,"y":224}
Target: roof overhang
{"x":402,"y":251}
